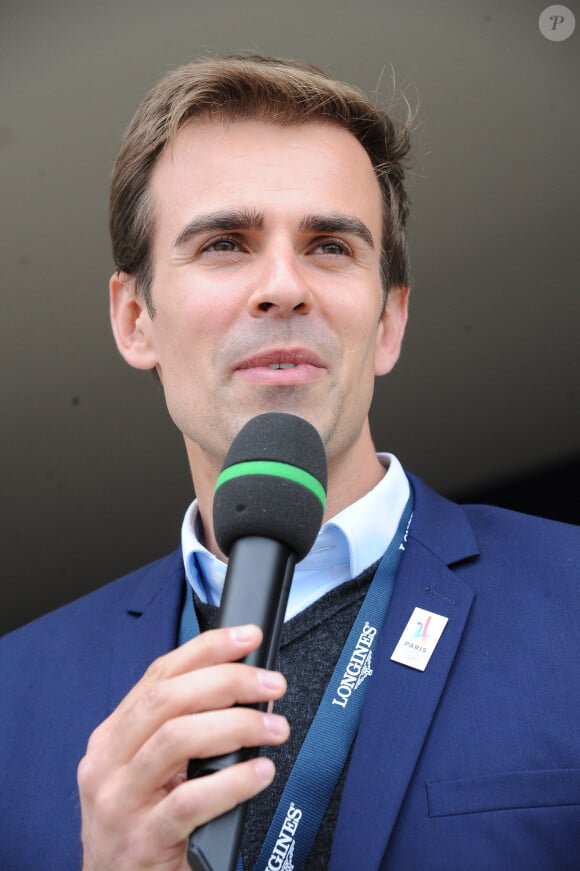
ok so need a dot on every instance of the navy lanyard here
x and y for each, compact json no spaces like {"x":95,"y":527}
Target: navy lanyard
{"x":314,"y":775}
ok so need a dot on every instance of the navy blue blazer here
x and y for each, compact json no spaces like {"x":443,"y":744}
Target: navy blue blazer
{"x":472,"y":764}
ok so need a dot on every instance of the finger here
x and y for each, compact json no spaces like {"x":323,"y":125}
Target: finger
{"x":200,"y":736}
{"x":209,"y":648}
{"x":195,"y":802}
{"x":215,"y":687}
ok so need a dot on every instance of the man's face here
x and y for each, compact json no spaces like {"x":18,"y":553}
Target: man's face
{"x":266,"y":281}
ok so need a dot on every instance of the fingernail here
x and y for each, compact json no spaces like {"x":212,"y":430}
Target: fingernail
{"x":270,"y":680}
{"x":275,"y":724}
{"x":264,"y":768}
{"x":243,"y":634}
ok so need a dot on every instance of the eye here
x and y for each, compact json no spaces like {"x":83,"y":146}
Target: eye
{"x":333,"y":247}
{"x":222,"y":243}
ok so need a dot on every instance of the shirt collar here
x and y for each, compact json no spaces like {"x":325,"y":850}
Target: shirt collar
{"x":346,"y":545}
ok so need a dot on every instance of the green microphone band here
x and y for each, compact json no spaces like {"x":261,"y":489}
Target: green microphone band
{"x":278,"y":470}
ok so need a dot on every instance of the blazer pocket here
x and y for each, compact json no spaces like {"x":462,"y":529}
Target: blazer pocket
{"x":507,"y":791}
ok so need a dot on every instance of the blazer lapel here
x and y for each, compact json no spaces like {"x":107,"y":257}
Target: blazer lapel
{"x":148,"y":624}
{"x":401,"y":701}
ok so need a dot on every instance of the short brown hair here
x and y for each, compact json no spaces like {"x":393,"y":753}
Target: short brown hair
{"x":238,"y":88}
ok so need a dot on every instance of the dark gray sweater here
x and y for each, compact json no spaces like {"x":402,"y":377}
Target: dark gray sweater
{"x":311,"y":645}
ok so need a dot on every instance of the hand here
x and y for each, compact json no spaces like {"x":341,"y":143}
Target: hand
{"x":137,"y":806}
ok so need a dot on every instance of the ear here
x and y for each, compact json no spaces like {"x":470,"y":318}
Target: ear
{"x":131,"y":322}
{"x":391,"y":330}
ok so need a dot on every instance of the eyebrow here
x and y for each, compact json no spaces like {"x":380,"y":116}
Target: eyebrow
{"x":226,"y":219}
{"x":337,"y":223}
{"x":231,"y":220}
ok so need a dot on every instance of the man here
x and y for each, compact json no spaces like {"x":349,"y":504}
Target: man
{"x":258,"y":222}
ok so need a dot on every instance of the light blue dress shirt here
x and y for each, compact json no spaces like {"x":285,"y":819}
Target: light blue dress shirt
{"x":346,"y":545}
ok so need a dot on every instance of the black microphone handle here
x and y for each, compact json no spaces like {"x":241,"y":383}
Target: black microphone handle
{"x":256,"y":590}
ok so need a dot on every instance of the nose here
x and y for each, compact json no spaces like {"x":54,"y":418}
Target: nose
{"x":281,"y":288}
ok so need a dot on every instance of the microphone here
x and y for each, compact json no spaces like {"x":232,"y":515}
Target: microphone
{"x":269,"y":502}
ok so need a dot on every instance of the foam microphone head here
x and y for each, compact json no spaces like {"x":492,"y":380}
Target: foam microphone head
{"x":273,"y":484}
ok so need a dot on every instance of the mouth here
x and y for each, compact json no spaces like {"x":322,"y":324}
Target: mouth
{"x":283,"y":367}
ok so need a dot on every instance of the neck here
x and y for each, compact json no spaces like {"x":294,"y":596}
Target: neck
{"x":351,"y":474}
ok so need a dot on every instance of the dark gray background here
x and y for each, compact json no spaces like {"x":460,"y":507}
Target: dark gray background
{"x":485,"y":400}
